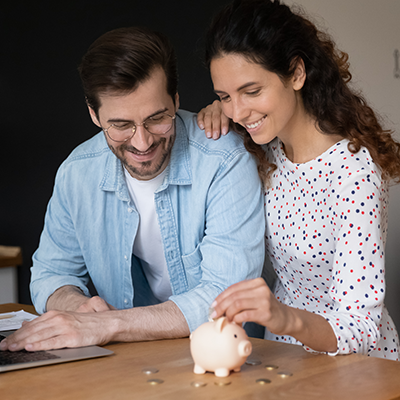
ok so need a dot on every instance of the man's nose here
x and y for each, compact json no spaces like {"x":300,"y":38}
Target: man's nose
{"x":142,"y":139}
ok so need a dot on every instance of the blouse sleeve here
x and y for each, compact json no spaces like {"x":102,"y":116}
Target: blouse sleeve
{"x":358,"y":215}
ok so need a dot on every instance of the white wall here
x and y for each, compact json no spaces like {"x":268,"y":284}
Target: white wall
{"x":369,"y":31}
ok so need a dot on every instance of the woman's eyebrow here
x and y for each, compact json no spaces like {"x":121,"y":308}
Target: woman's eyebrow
{"x":244,"y":86}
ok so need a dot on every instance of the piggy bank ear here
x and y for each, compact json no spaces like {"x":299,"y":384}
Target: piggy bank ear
{"x":220,"y":323}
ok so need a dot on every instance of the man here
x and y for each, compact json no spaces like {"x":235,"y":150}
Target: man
{"x":160,"y":218}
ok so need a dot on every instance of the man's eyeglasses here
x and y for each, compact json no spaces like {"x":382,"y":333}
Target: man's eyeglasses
{"x":157,"y":125}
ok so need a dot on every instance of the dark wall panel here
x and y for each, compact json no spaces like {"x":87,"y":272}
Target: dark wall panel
{"x":43,"y":115}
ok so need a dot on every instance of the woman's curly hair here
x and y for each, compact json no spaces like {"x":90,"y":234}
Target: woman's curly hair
{"x":270,"y":34}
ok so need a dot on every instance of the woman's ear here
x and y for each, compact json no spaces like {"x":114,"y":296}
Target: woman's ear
{"x":299,"y":74}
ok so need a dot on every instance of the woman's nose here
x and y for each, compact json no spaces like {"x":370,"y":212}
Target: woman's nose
{"x":239,"y":111}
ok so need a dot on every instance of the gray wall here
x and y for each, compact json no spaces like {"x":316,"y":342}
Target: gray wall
{"x":369,"y":31}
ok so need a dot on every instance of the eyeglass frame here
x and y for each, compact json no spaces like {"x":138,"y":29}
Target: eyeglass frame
{"x":134,"y":128}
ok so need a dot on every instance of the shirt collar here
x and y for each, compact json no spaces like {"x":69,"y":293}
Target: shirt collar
{"x":178,"y":169}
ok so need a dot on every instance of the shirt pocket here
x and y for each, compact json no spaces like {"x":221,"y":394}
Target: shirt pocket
{"x":192,"y":265}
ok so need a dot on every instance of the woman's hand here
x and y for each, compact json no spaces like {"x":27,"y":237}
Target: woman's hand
{"x":213,"y":121}
{"x":252,"y":300}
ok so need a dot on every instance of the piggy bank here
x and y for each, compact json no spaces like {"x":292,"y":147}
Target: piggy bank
{"x":220,"y":347}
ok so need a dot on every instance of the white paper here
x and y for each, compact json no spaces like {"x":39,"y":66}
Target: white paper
{"x":15,"y":322}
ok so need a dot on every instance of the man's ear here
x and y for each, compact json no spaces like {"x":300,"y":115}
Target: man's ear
{"x":176,"y":102}
{"x":299,"y":74}
{"x":94,"y":117}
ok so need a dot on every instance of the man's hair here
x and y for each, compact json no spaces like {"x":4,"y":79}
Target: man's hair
{"x":119,"y":60}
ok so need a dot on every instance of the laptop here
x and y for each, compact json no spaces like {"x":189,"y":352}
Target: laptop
{"x":13,"y":360}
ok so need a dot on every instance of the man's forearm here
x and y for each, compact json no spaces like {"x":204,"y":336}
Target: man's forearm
{"x":58,"y":329}
{"x":162,"y":321}
{"x":66,"y":298}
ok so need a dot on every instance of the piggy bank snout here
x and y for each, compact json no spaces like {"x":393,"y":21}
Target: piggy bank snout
{"x":245,"y":348}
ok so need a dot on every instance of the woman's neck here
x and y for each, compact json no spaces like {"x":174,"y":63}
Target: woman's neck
{"x":306,"y":142}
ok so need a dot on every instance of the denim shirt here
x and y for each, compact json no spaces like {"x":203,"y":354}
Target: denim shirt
{"x":209,"y":209}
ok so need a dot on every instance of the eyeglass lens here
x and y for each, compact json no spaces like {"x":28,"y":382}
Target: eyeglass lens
{"x":157,"y":125}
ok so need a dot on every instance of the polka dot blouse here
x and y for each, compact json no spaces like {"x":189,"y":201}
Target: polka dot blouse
{"x":326,"y":233}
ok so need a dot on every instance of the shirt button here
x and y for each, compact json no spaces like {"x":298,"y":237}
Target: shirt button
{"x":126,"y":301}
{"x":130,"y":209}
{"x":125,"y":257}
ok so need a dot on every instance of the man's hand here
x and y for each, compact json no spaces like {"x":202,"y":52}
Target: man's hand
{"x":95,"y":304}
{"x":213,"y":121}
{"x":71,"y":298}
{"x":59,"y":329}
{"x":66,"y":298}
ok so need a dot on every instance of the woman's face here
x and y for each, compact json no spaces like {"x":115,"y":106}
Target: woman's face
{"x":257,"y":99}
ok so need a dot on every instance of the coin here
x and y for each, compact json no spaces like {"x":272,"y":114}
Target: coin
{"x":154,"y":382}
{"x":253,"y":362}
{"x":149,"y":371}
{"x":222,"y":383}
{"x":284,"y":374}
{"x":198,"y":384}
{"x":263,"y":381}
{"x":210,"y":311}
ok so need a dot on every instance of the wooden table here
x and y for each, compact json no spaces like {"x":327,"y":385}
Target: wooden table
{"x":121,"y":376}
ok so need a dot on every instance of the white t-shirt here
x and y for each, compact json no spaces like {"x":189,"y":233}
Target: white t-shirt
{"x":148,"y":244}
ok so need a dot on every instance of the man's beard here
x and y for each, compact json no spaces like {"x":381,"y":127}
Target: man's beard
{"x":147,"y":168}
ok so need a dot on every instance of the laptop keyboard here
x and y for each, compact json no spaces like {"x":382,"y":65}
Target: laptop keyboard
{"x":23,"y":356}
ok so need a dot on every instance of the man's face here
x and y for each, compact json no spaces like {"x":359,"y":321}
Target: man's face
{"x":144,"y":155}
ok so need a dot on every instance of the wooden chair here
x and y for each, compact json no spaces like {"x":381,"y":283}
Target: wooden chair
{"x":10,"y":258}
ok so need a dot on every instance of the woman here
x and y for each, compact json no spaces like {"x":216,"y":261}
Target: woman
{"x":326,"y":165}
